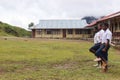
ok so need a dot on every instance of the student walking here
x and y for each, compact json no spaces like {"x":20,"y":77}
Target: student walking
{"x":102,"y":52}
{"x":97,"y":42}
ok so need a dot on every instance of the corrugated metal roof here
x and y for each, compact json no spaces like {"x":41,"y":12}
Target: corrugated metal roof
{"x":60,"y":24}
{"x":110,"y":16}
{"x":91,"y":24}
{"x":104,"y":18}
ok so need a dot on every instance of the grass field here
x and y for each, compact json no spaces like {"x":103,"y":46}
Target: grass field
{"x":35,"y":59}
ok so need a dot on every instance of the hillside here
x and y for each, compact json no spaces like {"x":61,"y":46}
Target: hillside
{"x":9,"y":30}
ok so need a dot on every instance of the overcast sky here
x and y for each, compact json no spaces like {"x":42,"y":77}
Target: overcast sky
{"x":22,"y":12}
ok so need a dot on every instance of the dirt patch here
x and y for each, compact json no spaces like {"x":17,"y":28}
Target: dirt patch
{"x":118,"y":52}
{"x":1,"y":71}
{"x":64,"y":66}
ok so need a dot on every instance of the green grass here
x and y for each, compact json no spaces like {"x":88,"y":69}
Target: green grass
{"x":2,"y":33}
{"x":32,"y":59}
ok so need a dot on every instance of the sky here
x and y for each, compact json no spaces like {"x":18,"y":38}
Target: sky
{"x":22,"y":12}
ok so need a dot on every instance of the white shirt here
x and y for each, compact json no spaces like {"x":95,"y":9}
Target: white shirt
{"x":107,"y":35}
{"x":98,"y":36}
{"x":101,"y":32}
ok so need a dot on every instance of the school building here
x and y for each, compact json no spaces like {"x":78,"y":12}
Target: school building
{"x":75,"y":28}
{"x":61,"y":29}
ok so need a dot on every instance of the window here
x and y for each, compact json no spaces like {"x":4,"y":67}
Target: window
{"x":88,"y":31}
{"x":119,"y":25}
{"x":48,"y":31}
{"x":70,"y":31}
{"x":56,"y":31}
{"x":78,"y":31}
{"x":116,"y":26}
{"x":39,"y":31}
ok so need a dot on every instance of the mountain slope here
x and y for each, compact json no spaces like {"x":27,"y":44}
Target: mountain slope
{"x":9,"y":30}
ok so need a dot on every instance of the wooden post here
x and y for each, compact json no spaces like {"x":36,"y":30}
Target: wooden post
{"x":33,"y":33}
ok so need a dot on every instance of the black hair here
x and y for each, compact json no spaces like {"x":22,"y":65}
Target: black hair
{"x":100,"y":24}
{"x":106,"y":24}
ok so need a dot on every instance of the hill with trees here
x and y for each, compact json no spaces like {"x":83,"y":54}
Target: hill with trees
{"x":89,"y":19}
{"x":9,"y":30}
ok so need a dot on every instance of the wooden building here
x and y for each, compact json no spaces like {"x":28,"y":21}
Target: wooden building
{"x":61,"y":29}
{"x":113,"y":20}
{"x":114,"y":25}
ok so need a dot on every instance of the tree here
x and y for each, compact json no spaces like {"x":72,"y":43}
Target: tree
{"x":31,"y":24}
{"x":89,"y":19}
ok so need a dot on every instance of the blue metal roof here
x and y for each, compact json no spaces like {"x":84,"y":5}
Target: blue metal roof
{"x":60,"y":24}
